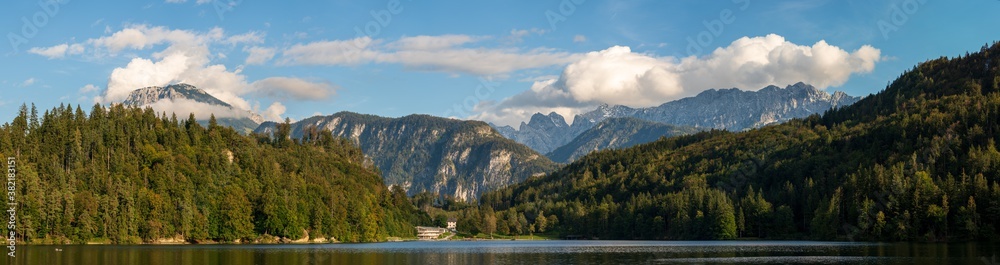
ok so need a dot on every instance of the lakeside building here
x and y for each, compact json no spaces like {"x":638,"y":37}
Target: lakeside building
{"x":429,"y":233}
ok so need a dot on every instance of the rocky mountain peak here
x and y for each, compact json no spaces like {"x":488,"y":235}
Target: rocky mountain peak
{"x":541,"y":121}
{"x":150,"y":95}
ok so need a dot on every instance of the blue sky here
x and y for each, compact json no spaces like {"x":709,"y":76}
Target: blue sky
{"x":498,"y":61}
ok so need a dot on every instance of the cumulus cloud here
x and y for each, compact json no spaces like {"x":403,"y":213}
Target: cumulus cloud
{"x":445,"y":53}
{"x":284,"y":87}
{"x":178,"y":67}
{"x":139,"y":37}
{"x":274,"y":112}
{"x":58,"y":51}
{"x":184,"y":56}
{"x":620,"y":76}
{"x":753,"y":63}
{"x":615,"y":76}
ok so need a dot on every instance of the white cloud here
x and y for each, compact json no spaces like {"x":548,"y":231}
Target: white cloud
{"x":246,"y":38}
{"x":339,"y":52}
{"x":619,"y":76}
{"x":579,"y":38}
{"x":141,"y":37}
{"x":179,"y":67}
{"x":58,"y":51}
{"x":259,"y":55}
{"x":28,"y":82}
{"x":538,"y":78}
{"x":284,"y":87}
{"x":274,"y":112}
{"x":432,"y":42}
{"x":477,"y":61}
{"x":183,"y":56}
{"x":517,"y":35}
{"x":753,"y":63}
{"x":89,"y":88}
{"x":202,"y":111}
{"x":425,"y":53}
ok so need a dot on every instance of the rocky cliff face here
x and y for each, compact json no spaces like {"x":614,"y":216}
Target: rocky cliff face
{"x":422,"y":153}
{"x":242,"y":121}
{"x":730,"y":109}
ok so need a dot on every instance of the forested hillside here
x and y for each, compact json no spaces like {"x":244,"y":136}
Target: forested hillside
{"x":915,"y":162}
{"x":616,"y":133}
{"x":127,"y":175}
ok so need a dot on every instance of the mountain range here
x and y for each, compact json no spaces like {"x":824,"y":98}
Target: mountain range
{"x":729,"y":109}
{"x":464,"y":159}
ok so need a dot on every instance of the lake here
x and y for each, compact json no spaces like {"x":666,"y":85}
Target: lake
{"x":523,"y":252}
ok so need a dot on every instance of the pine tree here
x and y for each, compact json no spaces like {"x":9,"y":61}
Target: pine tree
{"x":235,"y":211}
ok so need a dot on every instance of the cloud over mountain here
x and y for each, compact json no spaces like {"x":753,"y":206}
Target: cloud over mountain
{"x":619,"y":76}
{"x":185,"y":56}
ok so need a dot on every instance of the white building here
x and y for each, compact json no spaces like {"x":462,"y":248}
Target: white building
{"x":429,"y":233}
{"x":452,"y":223}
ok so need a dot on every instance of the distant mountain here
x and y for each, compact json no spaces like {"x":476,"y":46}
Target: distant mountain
{"x":730,"y":109}
{"x":423,"y":153}
{"x":543,"y":133}
{"x":242,"y":121}
{"x":616,"y":133}
{"x":736,"y":110}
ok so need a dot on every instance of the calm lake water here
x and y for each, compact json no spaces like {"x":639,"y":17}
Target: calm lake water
{"x":523,"y":252}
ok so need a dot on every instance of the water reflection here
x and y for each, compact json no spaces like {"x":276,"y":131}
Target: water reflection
{"x":522,"y":252}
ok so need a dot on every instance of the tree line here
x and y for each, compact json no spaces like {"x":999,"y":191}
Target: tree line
{"x":129,"y":175}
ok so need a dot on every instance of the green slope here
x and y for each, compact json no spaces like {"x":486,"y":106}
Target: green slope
{"x":125,"y":175}
{"x":616,"y":133}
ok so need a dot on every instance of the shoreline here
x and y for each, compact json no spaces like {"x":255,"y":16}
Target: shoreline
{"x":723,"y":242}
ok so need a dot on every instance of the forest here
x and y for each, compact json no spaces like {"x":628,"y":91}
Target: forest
{"x":917,"y":161}
{"x":125,"y":175}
